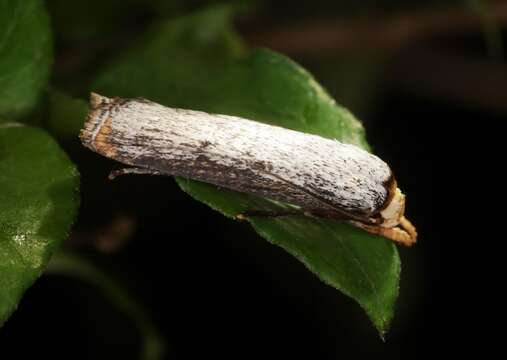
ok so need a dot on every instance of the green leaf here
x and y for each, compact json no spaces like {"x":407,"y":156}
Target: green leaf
{"x":192,"y":63}
{"x":38,"y":203}
{"x":184,"y":56}
{"x":25,"y":55}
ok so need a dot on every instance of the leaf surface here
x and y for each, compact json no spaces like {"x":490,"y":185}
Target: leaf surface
{"x":38,"y":203}
{"x":25,"y":55}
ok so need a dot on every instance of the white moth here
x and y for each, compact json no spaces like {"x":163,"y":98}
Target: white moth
{"x":323,"y":177}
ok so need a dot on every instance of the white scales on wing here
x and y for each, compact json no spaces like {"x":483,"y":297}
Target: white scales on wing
{"x":343,"y":174}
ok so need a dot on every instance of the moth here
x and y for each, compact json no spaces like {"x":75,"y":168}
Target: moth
{"x":323,"y":178}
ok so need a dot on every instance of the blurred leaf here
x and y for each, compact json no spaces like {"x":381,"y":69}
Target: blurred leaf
{"x":182,"y":57}
{"x":197,"y":62}
{"x":25,"y":54}
{"x":66,"y":115}
{"x":93,"y":20}
{"x":38,"y":203}
{"x":96,"y":20}
{"x":491,"y":29}
{"x":354,"y":77}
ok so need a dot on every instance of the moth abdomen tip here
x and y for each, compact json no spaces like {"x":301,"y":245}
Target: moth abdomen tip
{"x":97,"y":125}
{"x":85,"y":136}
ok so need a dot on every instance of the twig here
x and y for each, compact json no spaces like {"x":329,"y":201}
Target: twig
{"x":473,"y":82}
{"x":379,"y":31}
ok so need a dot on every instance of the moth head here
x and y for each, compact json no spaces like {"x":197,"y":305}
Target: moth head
{"x":393,"y":212}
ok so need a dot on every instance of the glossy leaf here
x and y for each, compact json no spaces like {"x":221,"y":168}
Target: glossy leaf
{"x":38,"y":203}
{"x":197,"y":62}
{"x":25,"y":54}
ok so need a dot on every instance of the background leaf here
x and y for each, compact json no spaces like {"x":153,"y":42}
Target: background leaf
{"x":66,"y":115}
{"x":38,"y":203}
{"x":25,"y":55}
{"x":198,"y":62}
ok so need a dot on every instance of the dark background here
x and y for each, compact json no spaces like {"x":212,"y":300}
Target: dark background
{"x":213,"y":286}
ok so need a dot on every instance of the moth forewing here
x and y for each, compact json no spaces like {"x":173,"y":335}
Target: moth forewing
{"x":324,"y":177}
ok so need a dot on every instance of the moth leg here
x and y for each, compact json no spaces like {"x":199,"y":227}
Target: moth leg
{"x":115,"y":173}
{"x":268,"y":214}
{"x":405,"y":234}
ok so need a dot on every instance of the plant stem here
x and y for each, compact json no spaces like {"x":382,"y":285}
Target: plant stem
{"x":70,"y":265}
